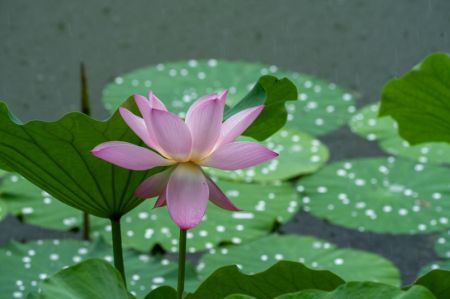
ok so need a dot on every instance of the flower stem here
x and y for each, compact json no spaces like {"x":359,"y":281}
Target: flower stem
{"x":86,"y":226}
{"x":181,"y":263}
{"x":117,"y":247}
{"x":86,"y":109}
{"x":84,"y":94}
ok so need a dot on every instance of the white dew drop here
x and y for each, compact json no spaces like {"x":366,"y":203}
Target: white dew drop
{"x":279,"y":256}
{"x":339,"y":261}
{"x":158,"y":280}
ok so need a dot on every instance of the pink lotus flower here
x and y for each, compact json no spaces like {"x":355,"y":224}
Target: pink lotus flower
{"x":201,"y":140}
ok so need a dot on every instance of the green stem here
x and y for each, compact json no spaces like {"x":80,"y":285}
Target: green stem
{"x":84,"y":92}
{"x":86,"y":109}
{"x":86,"y":226}
{"x":117,"y":247}
{"x":181,"y":263}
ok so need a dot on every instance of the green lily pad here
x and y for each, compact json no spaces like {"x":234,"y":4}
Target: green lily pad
{"x":142,"y":228}
{"x":385,"y":195}
{"x":3,"y":210}
{"x":263,"y":206}
{"x":366,"y":290}
{"x":34,"y":206}
{"x":384,"y":130}
{"x":91,"y":279}
{"x":255,"y":256}
{"x":55,"y":156}
{"x":321,"y":106}
{"x":3,"y":207}
{"x":420,"y":101}
{"x":442,"y":245}
{"x":29,"y":263}
{"x":283,"y":277}
{"x":442,"y":248}
{"x":436,"y":265}
{"x":299,"y":154}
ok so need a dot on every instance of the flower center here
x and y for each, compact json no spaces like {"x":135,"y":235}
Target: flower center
{"x":189,"y":164}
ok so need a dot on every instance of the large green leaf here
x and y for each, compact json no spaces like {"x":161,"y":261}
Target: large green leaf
{"x":380,"y":195}
{"x":273,"y":94}
{"x":363,"y":290}
{"x":284,"y":277}
{"x":91,"y":279}
{"x":163,"y":292}
{"x":437,"y":281}
{"x":384,"y":130}
{"x":299,"y":154}
{"x":255,"y":256}
{"x":263,"y":207}
{"x":56,"y":157}
{"x":31,"y":262}
{"x":321,"y":106}
{"x":420,"y":101}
